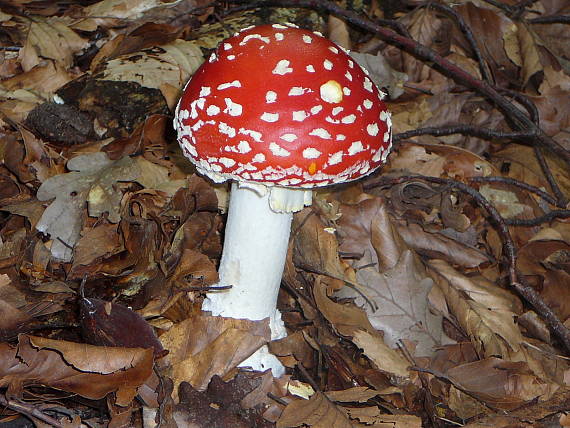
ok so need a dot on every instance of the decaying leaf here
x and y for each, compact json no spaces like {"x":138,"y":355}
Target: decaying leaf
{"x":171,"y":64}
{"x":86,"y":370}
{"x":353,"y":322}
{"x":216,"y":346}
{"x":317,"y":412}
{"x":52,"y":38}
{"x":487,"y":314}
{"x":93,"y":180}
{"x":391,"y":278}
{"x":381,"y":73}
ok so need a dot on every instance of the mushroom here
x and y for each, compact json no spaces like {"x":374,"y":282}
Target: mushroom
{"x":278,"y":110}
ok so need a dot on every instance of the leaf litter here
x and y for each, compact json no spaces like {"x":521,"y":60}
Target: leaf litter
{"x":397,"y":295}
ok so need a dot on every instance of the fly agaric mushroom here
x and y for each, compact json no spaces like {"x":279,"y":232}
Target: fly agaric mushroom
{"x":278,"y":110}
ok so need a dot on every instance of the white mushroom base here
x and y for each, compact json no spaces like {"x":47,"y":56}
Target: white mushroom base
{"x":254,"y":252}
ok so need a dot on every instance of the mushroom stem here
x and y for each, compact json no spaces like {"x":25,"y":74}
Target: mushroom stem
{"x":254,"y":252}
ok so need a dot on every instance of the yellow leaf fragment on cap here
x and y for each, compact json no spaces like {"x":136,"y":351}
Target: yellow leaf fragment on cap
{"x":331,"y":92}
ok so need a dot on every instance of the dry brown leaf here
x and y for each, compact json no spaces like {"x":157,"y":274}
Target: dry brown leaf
{"x":424,"y":26}
{"x":501,"y":384}
{"x":381,"y":73}
{"x":98,"y":242}
{"x":338,"y":32}
{"x":392,"y":284}
{"x":52,"y":38}
{"x":372,"y":416}
{"x":490,"y":27}
{"x":87,"y":370}
{"x":438,"y":160}
{"x":172,"y":64}
{"x":410,"y":115}
{"x":366,"y":230}
{"x":92,"y":179}
{"x":317,"y":412}
{"x":440,"y":246}
{"x":353,"y":322}
{"x":316,"y":249}
{"x":485,"y":312}
{"x":358,"y":394}
{"x":215,"y":347}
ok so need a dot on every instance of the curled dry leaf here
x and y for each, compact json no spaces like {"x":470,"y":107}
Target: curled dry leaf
{"x":317,"y":412}
{"x":172,"y":65}
{"x":372,"y":416}
{"x":92,"y":179}
{"x":216,"y":346}
{"x":381,"y":73}
{"x":316,"y":249}
{"x":485,"y":312}
{"x":391,"y":277}
{"x":438,"y":160}
{"x":350,"y":321}
{"x":99,"y":242}
{"x":440,"y":246}
{"x":500,"y":384}
{"x":87,"y":370}
{"x":358,"y":394}
{"x":53,"y":39}
{"x":493,"y":32}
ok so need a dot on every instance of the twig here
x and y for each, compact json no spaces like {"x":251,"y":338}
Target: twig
{"x":29,"y":410}
{"x":553,"y":19}
{"x":520,"y":184}
{"x":468,"y":35}
{"x":308,"y":376}
{"x":538,"y":220}
{"x":277,"y":399}
{"x":562,"y":199}
{"x":469,"y":130}
{"x":525,"y":102}
{"x":355,"y":286}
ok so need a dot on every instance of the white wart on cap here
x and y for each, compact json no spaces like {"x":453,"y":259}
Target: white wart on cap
{"x":279,"y":105}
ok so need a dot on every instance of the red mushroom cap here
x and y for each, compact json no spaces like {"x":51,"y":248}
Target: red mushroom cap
{"x":279,"y":105}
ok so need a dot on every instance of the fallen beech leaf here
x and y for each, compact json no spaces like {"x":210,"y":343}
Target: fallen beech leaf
{"x":110,"y":324}
{"x":485,"y":312}
{"x":13,"y":320}
{"x":353,"y":322}
{"x":522,"y":49}
{"x":26,"y":90}
{"x":172,"y":64}
{"x":99,"y":242}
{"x":87,"y":370}
{"x":372,"y":416}
{"x":358,"y":394}
{"x":92,"y":179}
{"x":203,"y":346}
{"x":490,"y":28}
{"x":437,"y":245}
{"x":52,"y":38}
{"x":505,"y":201}
{"x":381,"y":73}
{"x":317,"y":412}
{"x":385,"y":358}
{"x":502,"y":384}
{"x":317,"y":250}
{"x":393,"y":284}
